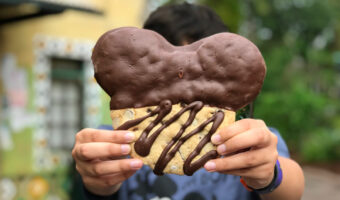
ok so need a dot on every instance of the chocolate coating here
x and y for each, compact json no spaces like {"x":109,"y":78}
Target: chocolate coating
{"x":139,"y":68}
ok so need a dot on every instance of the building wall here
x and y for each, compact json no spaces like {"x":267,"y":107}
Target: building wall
{"x":17,"y":37}
{"x":26,"y":160}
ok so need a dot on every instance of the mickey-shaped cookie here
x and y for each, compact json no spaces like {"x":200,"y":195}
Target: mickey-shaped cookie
{"x":175,"y":97}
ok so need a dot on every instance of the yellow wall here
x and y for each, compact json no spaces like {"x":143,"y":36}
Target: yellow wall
{"x":17,"y":38}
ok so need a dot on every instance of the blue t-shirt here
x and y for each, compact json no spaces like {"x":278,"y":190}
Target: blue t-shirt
{"x":202,"y":185}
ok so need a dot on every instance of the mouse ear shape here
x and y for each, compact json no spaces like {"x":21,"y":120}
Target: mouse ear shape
{"x":139,"y":68}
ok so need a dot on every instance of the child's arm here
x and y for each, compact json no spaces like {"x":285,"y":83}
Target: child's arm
{"x":250,"y":151}
{"x":292,"y":185}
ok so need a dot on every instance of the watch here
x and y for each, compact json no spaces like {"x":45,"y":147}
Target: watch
{"x":273,"y":184}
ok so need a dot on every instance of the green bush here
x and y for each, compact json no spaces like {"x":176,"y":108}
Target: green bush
{"x":322,"y":145}
{"x":301,"y":94}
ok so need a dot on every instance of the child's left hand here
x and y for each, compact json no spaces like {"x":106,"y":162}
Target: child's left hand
{"x":248,"y":149}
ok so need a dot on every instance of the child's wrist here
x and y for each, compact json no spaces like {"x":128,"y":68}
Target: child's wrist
{"x":258,"y":184}
{"x":275,"y":182}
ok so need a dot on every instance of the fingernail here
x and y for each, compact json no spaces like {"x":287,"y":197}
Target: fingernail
{"x":221,"y":148}
{"x":210,"y":166}
{"x":129,"y":137}
{"x":125,"y":148}
{"x":136,"y":164}
{"x":216,"y":139}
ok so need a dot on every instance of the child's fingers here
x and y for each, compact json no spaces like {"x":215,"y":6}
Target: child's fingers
{"x":243,"y":160}
{"x":98,"y":150}
{"x":89,"y":135}
{"x":256,"y":137}
{"x":236,"y":128}
{"x":111,"y":167}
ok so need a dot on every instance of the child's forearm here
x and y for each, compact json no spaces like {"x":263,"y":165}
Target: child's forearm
{"x":292,"y":185}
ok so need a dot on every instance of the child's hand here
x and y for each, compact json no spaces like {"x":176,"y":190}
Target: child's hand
{"x":100,"y":157}
{"x":249,"y":150}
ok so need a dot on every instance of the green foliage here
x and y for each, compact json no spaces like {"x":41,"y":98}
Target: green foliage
{"x":322,"y":145}
{"x":301,"y":92}
{"x":298,"y":95}
{"x":294,"y":112}
{"x":299,"y":40}
{"x":228,"y":10}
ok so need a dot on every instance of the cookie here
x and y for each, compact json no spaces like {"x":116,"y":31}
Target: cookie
{"x":176,"y":143}
{"x":175,"y":97}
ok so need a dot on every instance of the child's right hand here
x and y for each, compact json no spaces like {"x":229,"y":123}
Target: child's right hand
{"x":100,"y":157}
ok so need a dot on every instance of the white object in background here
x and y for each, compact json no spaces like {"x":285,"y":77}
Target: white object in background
{"x":16,"y":90}
{"x":6,"y":142}
{"x":20,"y":119}
{"x":8,"y":189}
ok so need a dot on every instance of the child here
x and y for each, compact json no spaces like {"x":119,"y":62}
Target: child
{"x":251,"y":150}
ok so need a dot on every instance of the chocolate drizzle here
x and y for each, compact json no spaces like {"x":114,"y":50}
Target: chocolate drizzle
{"x":145,"y":142}
{"x":165,"y":157}
{"x":189,"y":168}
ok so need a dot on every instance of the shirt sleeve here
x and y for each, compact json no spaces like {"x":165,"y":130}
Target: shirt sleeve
{"x":281,"y":144}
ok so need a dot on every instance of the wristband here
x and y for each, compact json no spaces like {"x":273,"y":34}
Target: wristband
{"x":272,"y":186}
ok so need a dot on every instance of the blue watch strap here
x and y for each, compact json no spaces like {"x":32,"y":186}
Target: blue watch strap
{"x":277,"y":180}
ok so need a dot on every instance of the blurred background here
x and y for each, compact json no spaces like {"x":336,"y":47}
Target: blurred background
{"x":48,"y":93}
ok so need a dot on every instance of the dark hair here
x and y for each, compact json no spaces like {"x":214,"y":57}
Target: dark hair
{"x":185,"y":22}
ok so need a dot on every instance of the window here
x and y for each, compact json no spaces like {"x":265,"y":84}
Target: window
{"x":65,"y":113}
